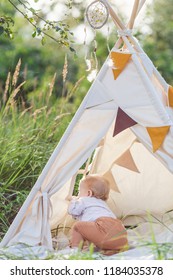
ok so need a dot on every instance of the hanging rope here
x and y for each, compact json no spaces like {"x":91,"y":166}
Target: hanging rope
{"x":126,"y":32}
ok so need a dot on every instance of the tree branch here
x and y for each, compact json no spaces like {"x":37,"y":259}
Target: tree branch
{"x":40,"y":31}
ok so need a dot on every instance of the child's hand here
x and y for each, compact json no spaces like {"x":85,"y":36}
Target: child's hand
{"x":70,"y":197}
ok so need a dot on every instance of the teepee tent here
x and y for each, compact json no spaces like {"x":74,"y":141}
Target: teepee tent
{"x":123,"y":130}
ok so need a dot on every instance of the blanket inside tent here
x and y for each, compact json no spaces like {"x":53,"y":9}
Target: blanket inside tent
{"x":123,"y":130}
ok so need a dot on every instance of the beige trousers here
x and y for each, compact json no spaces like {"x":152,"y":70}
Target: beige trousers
{"x":105,"y":233}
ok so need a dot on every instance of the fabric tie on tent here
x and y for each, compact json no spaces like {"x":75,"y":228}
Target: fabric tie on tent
{"x":157,"y":135}
{"x":122,"y":122}
{"x":119,"y":62}
{"x":170,"y":96}
{"x":126,"y":160}
{"x":42,"y":204}
{"x":126,"y":32}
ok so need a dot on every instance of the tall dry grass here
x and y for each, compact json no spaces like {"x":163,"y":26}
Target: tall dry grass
{"x":31,"y":124}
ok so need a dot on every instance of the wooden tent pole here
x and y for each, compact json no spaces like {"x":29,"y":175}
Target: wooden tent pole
{"x":134,"y":14}
{"x":114,"y":16}
{"x":140,"y":5}
{"x":139,"y":49}
{"x":142,"y":2}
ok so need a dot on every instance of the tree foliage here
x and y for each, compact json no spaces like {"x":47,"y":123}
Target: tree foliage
{"x":56,"y":30}
{"x":159,"y":43}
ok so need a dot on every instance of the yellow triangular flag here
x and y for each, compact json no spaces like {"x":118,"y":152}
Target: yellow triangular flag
{"x":126,"y":160}
{"x":119,"y":62}
{"x":157,"y":135}
{"x":170,"y":96}
{"x":113,"y":185}
{"x":116,"y":72}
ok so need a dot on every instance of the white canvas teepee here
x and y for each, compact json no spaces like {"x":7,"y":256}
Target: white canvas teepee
{"x":130,"y":100}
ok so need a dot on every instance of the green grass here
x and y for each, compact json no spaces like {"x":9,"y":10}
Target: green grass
{"x":30,"y":128}
{"x":162,"y":251}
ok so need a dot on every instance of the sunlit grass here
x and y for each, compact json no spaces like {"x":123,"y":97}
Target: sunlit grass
{"x":30,"y":128}
{"x":161,"y":251}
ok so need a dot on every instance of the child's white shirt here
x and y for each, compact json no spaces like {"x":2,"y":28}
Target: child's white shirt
{"x":89,"y":209}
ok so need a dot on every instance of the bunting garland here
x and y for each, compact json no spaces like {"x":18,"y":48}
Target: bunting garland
{"x":122,"y":122}
{"x":126,"y":160}
{"x":119,"y":62}
{"x":170,"y":96}
{"x":157,"y":135}
{"x":109,"y":176}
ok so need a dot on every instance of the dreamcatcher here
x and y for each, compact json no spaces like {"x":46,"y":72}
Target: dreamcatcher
{"x":97,"y":14}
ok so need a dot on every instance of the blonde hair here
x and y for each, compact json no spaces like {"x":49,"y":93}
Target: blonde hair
{"x":98,"y":185}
